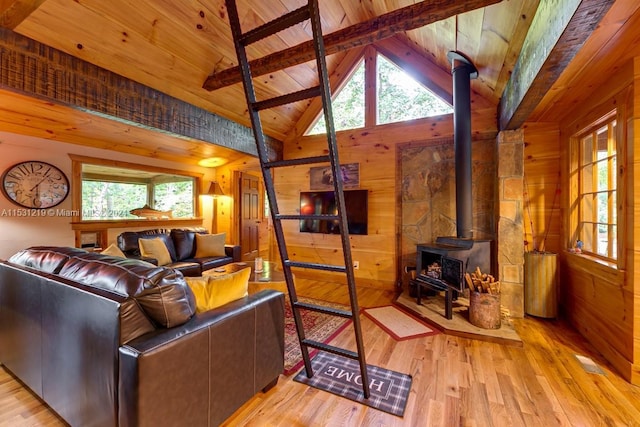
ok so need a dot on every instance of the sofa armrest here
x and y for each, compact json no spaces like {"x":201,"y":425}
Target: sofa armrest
{"x":143,"y":258}
{"x":211,"y":365}
{"x":234,"y":252}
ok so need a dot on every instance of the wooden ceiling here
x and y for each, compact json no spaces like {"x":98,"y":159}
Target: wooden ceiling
{"x":174,"y":45}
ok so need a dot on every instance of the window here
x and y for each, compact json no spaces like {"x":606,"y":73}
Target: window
{"x":347,"y":107}
{"x":402,"y":98}
{"x":113,"y":192}
{"x":398,"y":97}
{"x":597,"y":216}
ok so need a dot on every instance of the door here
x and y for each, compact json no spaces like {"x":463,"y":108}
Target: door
{"x":250,"y":216}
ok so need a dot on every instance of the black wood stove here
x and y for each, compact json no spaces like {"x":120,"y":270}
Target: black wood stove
{"x":441,"y":265}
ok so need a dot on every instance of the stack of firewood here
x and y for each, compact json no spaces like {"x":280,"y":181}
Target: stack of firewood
{"x":482,"y":282}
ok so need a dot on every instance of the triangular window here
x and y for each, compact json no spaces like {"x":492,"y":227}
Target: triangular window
{"x":348,"y":106}
{"x":401,"y":98}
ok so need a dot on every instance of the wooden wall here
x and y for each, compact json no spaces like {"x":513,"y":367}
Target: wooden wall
{"x":600,"y":299}
{"x":542,"y":187}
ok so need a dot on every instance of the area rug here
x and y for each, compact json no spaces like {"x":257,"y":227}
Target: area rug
{"x":397,"y":323}
{"x":317,"y":326}
{"x":341,"y":376}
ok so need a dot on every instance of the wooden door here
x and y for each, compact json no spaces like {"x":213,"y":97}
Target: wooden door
{"x":250,"y":215}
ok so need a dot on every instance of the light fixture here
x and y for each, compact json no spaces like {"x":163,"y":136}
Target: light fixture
{"x":212,"y":162}
{"x":214,"y":190}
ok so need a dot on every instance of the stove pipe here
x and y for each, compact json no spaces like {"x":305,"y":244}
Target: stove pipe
{"x":463,"y":71}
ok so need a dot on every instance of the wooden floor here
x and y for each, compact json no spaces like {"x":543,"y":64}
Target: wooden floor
{"x":456,"y":382}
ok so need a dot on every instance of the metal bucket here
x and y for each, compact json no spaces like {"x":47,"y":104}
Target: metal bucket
{"x":484,"y":310}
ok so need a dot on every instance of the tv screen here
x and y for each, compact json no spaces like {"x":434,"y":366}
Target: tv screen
{"x":324,"y":203}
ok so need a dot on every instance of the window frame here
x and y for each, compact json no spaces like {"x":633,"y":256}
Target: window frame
{"x":613,"y":123}
{"x":76,"y":186}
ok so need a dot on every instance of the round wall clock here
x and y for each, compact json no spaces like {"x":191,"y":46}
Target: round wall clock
{"x":35,"y":184}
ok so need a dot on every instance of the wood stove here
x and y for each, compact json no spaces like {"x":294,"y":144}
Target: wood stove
{"x":456,"y":255}
{"x":441,"y":266}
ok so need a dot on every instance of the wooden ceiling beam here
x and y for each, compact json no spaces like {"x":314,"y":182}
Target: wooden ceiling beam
{"x":557,"y":32}
{"x":364,"y":33}
{"x":13,"y":12}
{"x":31,"y":68}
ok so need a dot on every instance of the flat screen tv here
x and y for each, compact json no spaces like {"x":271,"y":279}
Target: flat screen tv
{"x":324,"y":203}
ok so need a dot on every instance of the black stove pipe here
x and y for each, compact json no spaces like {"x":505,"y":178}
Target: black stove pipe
{"x":463,"y":71}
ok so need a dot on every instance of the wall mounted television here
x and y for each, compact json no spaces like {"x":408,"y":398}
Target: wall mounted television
{"x":324,"y":203}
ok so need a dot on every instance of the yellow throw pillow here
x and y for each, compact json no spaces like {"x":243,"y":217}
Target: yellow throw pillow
{"x":215,"y":291}
{"x":113,"y":250}
{"x":210,"y":245}
{"x":155,"y":248}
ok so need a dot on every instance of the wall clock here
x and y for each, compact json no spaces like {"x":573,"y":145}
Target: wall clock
{"x":34,"y":184}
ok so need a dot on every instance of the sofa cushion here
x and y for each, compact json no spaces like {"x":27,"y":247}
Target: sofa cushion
{"x":49,"y":259}
{"x":210,"y":245}
{"x":184,"y":242}
{"x":214,"y":291}
{"x":128,"y":240}
{"x":155,"y":248}
{"x":161,"y":292}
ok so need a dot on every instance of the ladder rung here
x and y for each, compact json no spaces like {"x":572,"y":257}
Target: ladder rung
{"x":270,"y":28}
{"x":321,"y":217}
{"x":331,"y":349}
{"x":297,"y":162}
{"x":315,"y":266}
{"x":322,"y":309}
{"x":287,"y":99}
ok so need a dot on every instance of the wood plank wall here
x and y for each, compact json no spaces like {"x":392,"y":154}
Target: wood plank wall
{"x":600,"y":299}
{"x":542,"y":190}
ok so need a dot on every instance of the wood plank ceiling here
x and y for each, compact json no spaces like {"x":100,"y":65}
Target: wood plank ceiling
{"x":173,"y":46}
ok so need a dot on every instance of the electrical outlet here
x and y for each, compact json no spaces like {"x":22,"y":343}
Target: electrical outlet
{"x":356,"y":265}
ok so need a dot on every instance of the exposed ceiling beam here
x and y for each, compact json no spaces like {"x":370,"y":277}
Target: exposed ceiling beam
{"x":364,"y":33}
{"x":31,"y":68}
{"x":13,"y":12}
{"x":557,"y":32}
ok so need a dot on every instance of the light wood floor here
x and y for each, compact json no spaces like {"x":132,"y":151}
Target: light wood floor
{"x":456,"y":382}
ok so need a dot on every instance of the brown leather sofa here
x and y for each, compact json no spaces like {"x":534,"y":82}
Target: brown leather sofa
{"x":107,"y":341}
{"x":181,"y":244}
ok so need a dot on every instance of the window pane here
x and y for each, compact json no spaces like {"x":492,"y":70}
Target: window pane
{"x":111,"y":200}
{"x":587,"y":150}
{"x":603,"y":239}
{"x":603,"y":174}
{"x":176,"y":197}
{"x":400,"y":97}
{"x":586,"y":235}
{"x":602,"y":208}
{"x":587,"y":206}
{"x":602,"y":143}
{"x":347,"y":106}
{"x":587,"y":178}
{"x":614,"y":241}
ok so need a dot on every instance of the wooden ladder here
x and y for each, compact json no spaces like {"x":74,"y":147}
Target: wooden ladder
{"x":241,"y":40}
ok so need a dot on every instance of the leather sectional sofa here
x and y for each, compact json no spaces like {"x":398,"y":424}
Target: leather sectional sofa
{"x":181,"y":244}
{"x":108,"y":341}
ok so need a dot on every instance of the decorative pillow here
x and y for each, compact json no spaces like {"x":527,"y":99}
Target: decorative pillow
{"x":155,"y":248}
{"x":210,"y":245}
{"x":113,"y":250}
{"x":215,"y":291}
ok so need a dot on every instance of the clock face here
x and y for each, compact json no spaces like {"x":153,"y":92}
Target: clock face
{"x":35,"y":184}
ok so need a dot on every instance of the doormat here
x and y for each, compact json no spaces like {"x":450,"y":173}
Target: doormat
{"x":317,"y":326}
{"x":398,"y":324}
{"x":389,"y":390}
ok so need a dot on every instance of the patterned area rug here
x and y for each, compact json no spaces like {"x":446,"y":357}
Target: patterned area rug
{"x":341,"y":376}
{"x":397,"y":323}
{"x":318,"y":327}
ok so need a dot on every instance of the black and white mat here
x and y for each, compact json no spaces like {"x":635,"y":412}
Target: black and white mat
{"x":341,"y":376}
